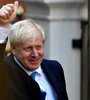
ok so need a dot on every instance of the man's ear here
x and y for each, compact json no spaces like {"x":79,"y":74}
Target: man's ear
{"x":12,"y":49}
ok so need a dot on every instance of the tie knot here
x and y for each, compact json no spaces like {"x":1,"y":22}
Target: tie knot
{"x":33,"y":75}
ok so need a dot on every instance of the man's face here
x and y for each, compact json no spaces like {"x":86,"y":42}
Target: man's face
{"x":30,"y":54}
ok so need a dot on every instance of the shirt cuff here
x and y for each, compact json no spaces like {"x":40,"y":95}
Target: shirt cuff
{"x":4,"y":32}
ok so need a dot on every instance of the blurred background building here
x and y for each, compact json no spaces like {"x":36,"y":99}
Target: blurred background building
{"x":66,"y":26}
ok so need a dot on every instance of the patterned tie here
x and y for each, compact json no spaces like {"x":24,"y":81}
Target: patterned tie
{"x":43,"y":93}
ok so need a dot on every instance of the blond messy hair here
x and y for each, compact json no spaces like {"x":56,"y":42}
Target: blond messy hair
{"x":24,"y":30}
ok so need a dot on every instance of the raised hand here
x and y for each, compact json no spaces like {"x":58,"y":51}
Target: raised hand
{"x":8,"y":13}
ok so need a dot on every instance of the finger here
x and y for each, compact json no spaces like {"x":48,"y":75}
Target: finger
{"x":15,"y":10}
{"x":15,"y":6}
{"x":11,"y":5}
{"x":3,"y":14}
{"x":9,"y":8}
{"x":6,"y":13}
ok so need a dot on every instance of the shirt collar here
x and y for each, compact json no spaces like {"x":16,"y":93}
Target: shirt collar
{"x":39,"y":70}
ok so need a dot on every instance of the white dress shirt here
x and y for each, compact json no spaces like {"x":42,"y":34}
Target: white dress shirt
{"x":40,"y":77}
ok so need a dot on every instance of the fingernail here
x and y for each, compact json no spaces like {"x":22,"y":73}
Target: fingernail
{"x":16,"y":3}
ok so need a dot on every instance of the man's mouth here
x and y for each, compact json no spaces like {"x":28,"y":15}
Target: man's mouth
{"x":34,"y":61}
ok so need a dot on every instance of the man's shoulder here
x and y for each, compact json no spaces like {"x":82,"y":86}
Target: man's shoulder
{"x":52,"y":64}
{"x":8,"y":59}
{"x":51,"y":61}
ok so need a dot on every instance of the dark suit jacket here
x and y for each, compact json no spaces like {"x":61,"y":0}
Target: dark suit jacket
{"x":16,"y":84}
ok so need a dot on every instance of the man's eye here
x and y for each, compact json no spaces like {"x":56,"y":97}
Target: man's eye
{"x":38,"y":47}
{"x":27,"y":49}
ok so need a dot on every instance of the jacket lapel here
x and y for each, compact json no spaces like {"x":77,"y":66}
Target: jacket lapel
{"x":50,"y":75}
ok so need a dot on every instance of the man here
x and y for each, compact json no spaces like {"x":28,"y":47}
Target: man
{"x":27,"y":43}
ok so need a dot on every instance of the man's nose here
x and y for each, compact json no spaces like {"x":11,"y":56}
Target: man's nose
{"x":34,"y":53}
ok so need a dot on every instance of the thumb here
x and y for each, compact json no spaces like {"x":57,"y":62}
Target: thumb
{"x":15,"y":5}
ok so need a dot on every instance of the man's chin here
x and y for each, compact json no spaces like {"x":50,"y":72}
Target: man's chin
{"x":33,"y":67}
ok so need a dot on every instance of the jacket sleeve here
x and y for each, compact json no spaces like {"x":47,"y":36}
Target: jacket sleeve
{"x":2,"y":51}
{"x":62,"y":78}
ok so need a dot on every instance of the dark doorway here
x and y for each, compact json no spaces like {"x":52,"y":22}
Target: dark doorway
{"x":89,"y":52}
{"x":84,"y":61}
